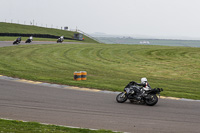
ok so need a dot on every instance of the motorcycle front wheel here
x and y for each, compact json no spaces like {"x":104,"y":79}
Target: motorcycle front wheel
{"x":121,"y":97}
{"x":151,"y":100}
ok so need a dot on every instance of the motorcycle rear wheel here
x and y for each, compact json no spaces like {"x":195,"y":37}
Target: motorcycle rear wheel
{"x":121,"y":97}
{"x":152,"y":100}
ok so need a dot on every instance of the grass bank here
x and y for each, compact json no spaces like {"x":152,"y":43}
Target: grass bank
{"x":14,"y":126}
{"x":27,"y":29}
{"x":109,"y":67}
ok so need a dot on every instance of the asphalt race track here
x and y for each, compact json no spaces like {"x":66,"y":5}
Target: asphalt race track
{"x":97,"y":110}
{"x":94,"y":109}
{"x":10,"y":43}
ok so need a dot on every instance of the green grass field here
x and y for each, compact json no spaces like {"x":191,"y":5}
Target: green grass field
{"x":109,"y":67}
{"x":14,"y":126}
{"x":27,"y":29}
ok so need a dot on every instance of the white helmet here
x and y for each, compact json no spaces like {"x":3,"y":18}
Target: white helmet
{"x":143,"y":80}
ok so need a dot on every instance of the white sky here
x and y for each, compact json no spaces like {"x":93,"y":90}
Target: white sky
{"x":165,"y":18}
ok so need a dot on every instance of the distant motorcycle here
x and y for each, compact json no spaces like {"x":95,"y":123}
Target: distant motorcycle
{"x":29,"y":40}
{"x":17,"y":41}
{"x":60,"y":40}
{"x":147,"y":97}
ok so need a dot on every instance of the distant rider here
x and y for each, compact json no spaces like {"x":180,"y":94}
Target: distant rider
{"x":62,"y":38}
{"x":19,"y":39}
{"x":31,"y":38}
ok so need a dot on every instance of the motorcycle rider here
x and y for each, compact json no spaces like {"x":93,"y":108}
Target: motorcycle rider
{"x":144,"y":85}
{"x":60,"y":39}
{"x":31,"y":38}
{"x":19,"y":39}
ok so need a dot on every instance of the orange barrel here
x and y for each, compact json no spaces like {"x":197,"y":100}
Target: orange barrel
{"x":83,"y":75}
{"x":77,"y":76}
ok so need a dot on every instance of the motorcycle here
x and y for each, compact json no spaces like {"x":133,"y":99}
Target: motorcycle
{"x":17,"y":41}
{"x":137,"y":94}
{"x":60,"y":40}
{"x":28,"y":40}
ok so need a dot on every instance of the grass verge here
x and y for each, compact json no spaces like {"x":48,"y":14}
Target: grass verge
{"x":109,"y":67}
{"x":8,"y":126}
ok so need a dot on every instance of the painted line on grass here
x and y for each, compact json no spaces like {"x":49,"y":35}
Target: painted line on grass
{"x":29,"y":81}
{"x":56,"y":85}
{"x":174,"y":98}
{"x":82,"y":89}
{"x":79,"y":88}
